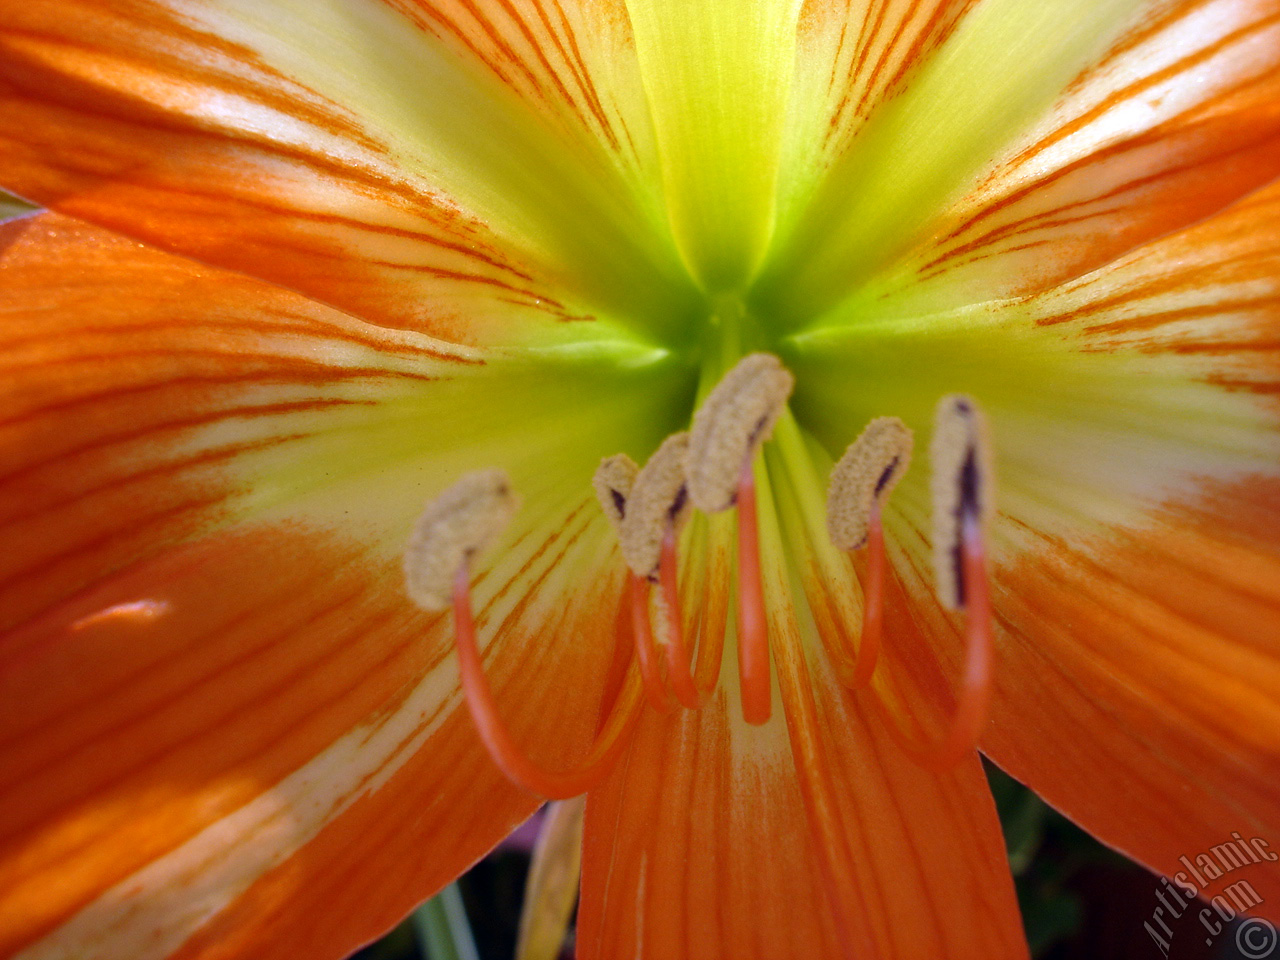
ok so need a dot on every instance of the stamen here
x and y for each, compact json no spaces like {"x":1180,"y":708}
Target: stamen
{"x":651,"y":504}
{"x":962,"y":474}
{"x":678,"y":670}
{"x":452,"y":529}
{"x":961,"y":499}
{"x":654,"y":686}
{"x":613,"y":481}
{"x":863,"y":479}
{"x":656,"y":509}
{"x":973,"y":699}
{"x":975,"y":693}
{"x":873,"y":609}
{"x":753,"y":632}
{"x":506,"y":754}
{"x":735,"y":419}
{"x":658,"y":502}
{"x":460,"y":522}
{"x":860,"y":484}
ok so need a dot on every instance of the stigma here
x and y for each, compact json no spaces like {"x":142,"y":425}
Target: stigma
{"x":713,"y":467}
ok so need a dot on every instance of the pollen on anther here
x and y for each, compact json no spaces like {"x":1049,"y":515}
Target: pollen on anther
{"x":869,"y":470}
{"x":613,"y":481}
{"x":736,"y":417}
{"x":658,"y":500}
{"x":460,"y":522}
{"x":960,"y":456}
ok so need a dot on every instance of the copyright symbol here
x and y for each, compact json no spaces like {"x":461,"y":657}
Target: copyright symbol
{"x":1255,"y":938}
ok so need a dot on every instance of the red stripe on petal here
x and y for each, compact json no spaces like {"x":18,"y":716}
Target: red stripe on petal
{"x":1162,"y":645}
{"x":213,"y":133}
{"x":690,"y":844}
{"x":128,"y":420}
{"x":1177,"y":123}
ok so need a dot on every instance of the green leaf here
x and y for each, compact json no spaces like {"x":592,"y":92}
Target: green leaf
{"x":442,"y":927}
{"x":11,"y":206}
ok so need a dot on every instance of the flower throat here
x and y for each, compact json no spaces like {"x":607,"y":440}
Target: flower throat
{"x":711,"y":468}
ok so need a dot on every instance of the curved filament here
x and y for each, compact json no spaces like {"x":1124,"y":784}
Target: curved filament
{"x":974,"y":696}
{"x":689,"y":693}
{"x":677,"y":653}
{"x":753,"y":633}
{"x":655,"y":686}
{"x":873,"y":611}
{"x":510,"y":759}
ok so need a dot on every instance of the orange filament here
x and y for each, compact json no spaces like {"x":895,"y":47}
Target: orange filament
{"x":677,"y":653}
{"x":654,"y":686}
{"x":689,"y":693}
{"x":753,"y":634}
{"x":517,"y":767}
{"x":873,"y":612}
{"x":974,"y":697}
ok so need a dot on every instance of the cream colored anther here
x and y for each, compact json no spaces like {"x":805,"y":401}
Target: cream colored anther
{"x":869,"y":470}
{"x":658,"y":502}
{"x":737,"y":416}
{"x":960,"y":456}
{"x":458,"y":523}
{"x":613,"y":481}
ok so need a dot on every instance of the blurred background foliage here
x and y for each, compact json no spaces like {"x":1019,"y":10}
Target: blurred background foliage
{"x":11,"y":206}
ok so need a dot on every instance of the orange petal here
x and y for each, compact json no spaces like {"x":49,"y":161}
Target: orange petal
{"x":1175,"y":620}
{"x":454,"y":169}
{"x":141,"y":409}
{"x":271,"y":748}
{"x":698,"y":847}
{"x":1136,"y":675}
{"x":1167,"y":640}
{"x":1137,"y":593}
{"x":1178,"y":121}
{"x":719,"y":839}
{"x":225,"y":730}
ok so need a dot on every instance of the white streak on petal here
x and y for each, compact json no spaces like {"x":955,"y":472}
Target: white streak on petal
{"x":152,"y":913}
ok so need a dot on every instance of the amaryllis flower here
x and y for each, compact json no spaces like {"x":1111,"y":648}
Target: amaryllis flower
{"x":307,"y":263}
